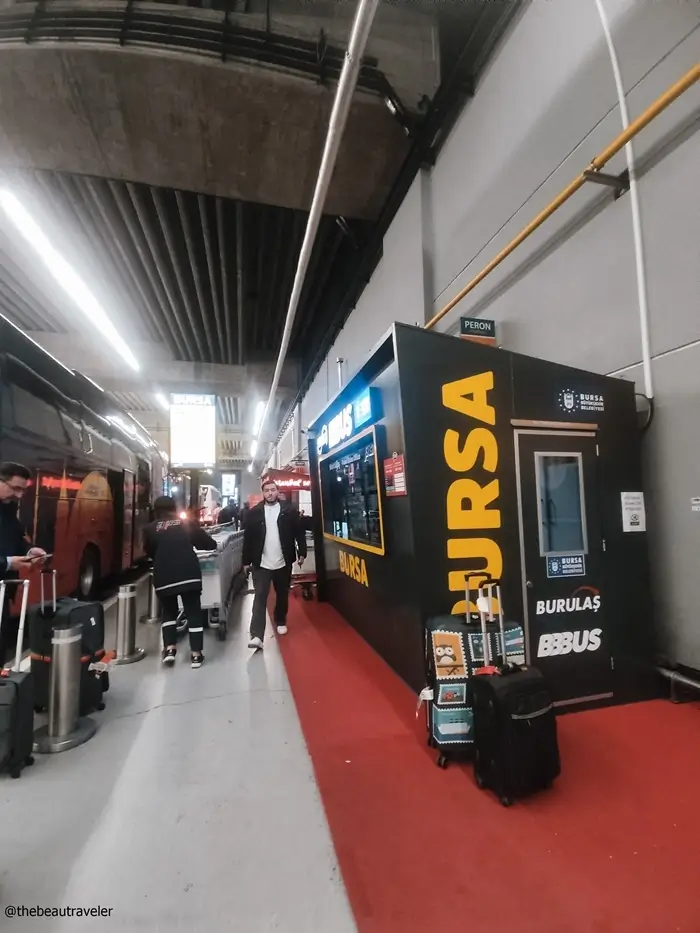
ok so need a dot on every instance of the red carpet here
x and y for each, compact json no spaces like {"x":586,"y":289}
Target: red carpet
{"x":611,"y":849}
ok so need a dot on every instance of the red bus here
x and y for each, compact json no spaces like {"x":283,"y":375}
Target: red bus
{"x":92,"y":466}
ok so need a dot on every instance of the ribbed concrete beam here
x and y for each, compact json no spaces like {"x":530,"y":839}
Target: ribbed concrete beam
{"x":169,"y":120}
{"x":159,"y":371}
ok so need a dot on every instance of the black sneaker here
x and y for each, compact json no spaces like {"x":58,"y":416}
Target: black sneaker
{"x":197,"y":659}
{"x":168,"y":656}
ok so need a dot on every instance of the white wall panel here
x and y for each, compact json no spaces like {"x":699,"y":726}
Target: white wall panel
{"x":544,"y":107}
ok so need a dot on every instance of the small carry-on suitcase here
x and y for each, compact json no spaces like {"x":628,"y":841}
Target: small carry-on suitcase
{"x":16,"y":699}
{"x":515,"y":730}
{"x":453,"y":651}
{"x":63,"y":613}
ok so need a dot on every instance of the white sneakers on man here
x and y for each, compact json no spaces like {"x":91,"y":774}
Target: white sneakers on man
{"x":256,"y":643}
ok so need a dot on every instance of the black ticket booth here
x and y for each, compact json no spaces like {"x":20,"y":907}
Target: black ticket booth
{"x":443,"y":457}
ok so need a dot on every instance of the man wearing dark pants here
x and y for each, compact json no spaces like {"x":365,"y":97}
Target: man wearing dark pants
{"x":273,"y":539}
{"x":170,"y":542}
{"x":15,"y":552}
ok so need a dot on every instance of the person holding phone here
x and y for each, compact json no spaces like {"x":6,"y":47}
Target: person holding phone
{"x":15,"y":550}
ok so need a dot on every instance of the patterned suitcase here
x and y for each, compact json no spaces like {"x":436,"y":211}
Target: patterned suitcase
{"x":453,"y":651}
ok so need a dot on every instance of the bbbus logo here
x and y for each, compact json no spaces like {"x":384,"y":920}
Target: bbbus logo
{"x":585,"y":598}
{"x":559,"y":643}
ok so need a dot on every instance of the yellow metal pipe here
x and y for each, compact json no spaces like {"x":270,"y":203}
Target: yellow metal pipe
{"x":659,"y":105}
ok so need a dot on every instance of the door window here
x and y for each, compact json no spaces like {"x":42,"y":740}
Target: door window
{"x":560,"y":503}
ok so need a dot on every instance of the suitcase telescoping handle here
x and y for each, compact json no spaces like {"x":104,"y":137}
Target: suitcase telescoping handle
{"x":22,"y":614}
{"x":492,"y":585}
{"x":52,"y":574}
{"x":481,"y":576}
{"x":485,"y":604}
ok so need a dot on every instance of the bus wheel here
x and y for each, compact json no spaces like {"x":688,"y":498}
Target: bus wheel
{"x":89,"y":574}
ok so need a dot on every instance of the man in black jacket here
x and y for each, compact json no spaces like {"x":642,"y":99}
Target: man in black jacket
{"x":15,"y":552}
{"x":272,"y":540}
{"x":228,"y":515}
{"x":170,"y":542}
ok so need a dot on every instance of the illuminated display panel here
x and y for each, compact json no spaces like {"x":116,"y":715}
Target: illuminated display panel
{"x":193,"y":431}
{"x":350,"y":493}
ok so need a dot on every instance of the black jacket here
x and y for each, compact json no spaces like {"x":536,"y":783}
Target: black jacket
{"x":170,"y":544}
{"x":292,"y":537}
{"x":228,"y":514}
{"x":12,"y":540}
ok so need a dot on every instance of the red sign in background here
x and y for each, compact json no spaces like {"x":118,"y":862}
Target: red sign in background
{"x":395,"y":476}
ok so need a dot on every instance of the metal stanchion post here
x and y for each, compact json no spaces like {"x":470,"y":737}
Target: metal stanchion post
{"x":127,"y":652}
{"x":65,"y":729}
{"x":153,"y":610}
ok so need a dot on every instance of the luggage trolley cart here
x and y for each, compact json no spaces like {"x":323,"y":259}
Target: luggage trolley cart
{"x":221,"y":574}
{"x":305,"y":577}
{"x":214,"y":591}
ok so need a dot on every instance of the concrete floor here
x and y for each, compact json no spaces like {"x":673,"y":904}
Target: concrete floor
{"x":194,"y":807}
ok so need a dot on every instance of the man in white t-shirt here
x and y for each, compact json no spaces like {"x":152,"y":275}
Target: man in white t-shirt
{"x":273,"y":539}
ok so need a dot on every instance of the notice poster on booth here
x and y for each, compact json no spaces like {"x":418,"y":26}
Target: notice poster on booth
{"x":395,"y":476}
{"x":633,"y":511}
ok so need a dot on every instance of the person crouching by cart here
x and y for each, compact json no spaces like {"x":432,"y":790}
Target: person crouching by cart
{"x":169,"y":542}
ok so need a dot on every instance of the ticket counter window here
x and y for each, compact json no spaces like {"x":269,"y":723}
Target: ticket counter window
{"x":350,"y":495}
{"x":561,"y":505}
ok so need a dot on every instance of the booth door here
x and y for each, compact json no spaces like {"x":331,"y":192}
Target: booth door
{"x":562,"y":558}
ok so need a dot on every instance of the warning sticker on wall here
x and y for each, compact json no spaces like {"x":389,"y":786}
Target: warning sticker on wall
{"x":695,"y":504}
{"x":633,"y":511}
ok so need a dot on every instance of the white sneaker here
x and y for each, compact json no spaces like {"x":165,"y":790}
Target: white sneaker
{"x":281,"y":629}
{"x":256,"y":644}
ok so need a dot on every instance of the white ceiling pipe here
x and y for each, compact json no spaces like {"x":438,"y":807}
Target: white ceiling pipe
{"x":361,"y":26}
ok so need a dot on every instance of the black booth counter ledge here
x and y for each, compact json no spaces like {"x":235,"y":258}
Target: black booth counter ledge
{"x":442,"y":457}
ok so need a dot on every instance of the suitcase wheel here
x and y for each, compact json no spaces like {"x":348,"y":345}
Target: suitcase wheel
{"x":29,"y":760}
{"x":441,"y":762}
{"x":506,"y":801}
{"x":221,"y":632}
{"x":15,"y":773}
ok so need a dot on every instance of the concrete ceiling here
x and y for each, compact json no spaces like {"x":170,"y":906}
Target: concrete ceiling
{"x":171,"y":152}
{"x":141,"y":92}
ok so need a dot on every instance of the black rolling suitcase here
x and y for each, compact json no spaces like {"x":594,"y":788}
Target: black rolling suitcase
{"x":64,"y":613}
{"x":453,"y":651}
{"x":516,"y":752}
{"x":16,"y":700}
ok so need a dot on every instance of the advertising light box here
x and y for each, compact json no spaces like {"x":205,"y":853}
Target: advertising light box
{"x":359,"y":413}
{"x":228,"y":484}
{"x":193,"y":431}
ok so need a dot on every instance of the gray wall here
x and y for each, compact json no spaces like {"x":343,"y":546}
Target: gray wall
{"x":546,"y":105}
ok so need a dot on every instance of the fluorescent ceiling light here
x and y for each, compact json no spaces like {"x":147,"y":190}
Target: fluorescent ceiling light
{"x":259,"y":412}
{"x":253,"y":448}
{"x":250,"y":467}
{"x":65,"y":275}
{"x":162,"y":401}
